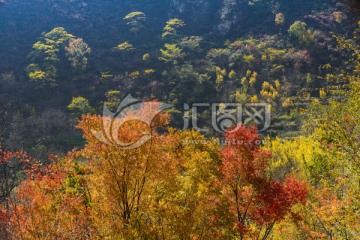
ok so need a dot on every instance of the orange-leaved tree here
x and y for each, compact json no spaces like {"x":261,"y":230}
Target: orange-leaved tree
{"x":12,"y":167}
{"x":52,"y":203}
{"x":123,"y":177}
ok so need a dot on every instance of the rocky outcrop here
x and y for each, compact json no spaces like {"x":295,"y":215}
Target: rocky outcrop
{"x":220,"y":12}
{"x":226,"y":16}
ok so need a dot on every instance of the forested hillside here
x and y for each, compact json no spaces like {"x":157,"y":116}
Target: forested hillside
{"x":163,"y":49}
{"x":67,"y":166}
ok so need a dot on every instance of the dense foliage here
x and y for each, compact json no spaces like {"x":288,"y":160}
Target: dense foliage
{"x":65,"y":62}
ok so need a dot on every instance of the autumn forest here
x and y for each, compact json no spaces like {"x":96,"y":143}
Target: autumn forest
{"x":180,"y":119}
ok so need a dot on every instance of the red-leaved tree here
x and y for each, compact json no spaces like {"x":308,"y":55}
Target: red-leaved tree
{"x":255,"y":201}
